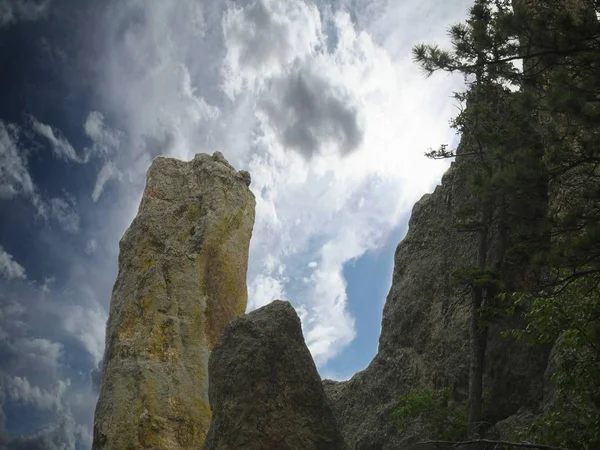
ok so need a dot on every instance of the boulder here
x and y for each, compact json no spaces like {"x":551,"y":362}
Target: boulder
{"x":264,"y":390}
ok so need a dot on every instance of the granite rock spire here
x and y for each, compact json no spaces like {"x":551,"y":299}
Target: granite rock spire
{"x":182,"y":278}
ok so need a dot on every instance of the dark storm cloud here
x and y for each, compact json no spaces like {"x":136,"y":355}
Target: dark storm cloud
{"x":308,"y":111}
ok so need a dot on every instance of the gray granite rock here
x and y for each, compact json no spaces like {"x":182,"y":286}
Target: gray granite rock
{"x":182,"y":278}
{"x":264,"y":388}
{"x":424,"y":340}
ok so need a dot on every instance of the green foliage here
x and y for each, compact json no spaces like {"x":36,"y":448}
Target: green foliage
{"x":431,"y":414}
{"x":570,"y":319}
{"x":571,"y":313}
{"x":530,"y":136}
{"x":478,"y":277}
{"x":482,"y":46}
{"x":571,"y":425}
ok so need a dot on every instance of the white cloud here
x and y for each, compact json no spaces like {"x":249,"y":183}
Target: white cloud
{"x":35,"y":369}
{"x":331,"y":118}
{"x":20,"y":390}
{"x":91,"y":246}
{"x":340,"y":205}
{"x":45,"y":286}
{"x":9,"y":268}
{"x":60,"y":145}
{"x":107,"y":173}
{"x":148,"y":79}
{"x":264,"y":289}
{"x":64,"y":432}
{"x":14,"y":174}
{"x":64,"y":213}
{"x":39,"y":352}
{"x":12,"y":11}
{"x":105,"y":139}
{"x":262,"y":37}
{"x":15,"y":180}
{"x":87,"y":323}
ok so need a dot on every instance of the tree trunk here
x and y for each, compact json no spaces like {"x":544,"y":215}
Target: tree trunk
{"x":478,"y":338}
{"x":478,"y":332}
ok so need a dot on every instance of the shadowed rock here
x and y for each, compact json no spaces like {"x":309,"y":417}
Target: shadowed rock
{"x":424,"y":341}
{"x":265,"y":391}
{"x":182,"y":278}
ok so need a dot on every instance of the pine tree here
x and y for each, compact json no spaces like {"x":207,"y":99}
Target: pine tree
{"x":531,"y":128}
{"x":495,"y":135}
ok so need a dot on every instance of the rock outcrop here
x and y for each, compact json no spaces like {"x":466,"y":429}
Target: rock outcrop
{"x":424,"y":340}
{"x":182,"y":279}
{"x":264,"y":390}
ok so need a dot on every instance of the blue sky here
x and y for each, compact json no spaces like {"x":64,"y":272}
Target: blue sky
{"x":368,"y":280}
{"x":319,"y":100}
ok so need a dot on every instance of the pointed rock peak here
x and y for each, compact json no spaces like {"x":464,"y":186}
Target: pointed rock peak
{"x":265,"y":391}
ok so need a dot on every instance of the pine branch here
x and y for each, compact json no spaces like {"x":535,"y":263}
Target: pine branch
{"x":491,"y":441}
{"x":451,"y":68}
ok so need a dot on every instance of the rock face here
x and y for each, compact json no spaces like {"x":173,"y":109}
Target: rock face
{"x":182,"y":278}
{"x":264,"y":390}
{"x":424,"y":340}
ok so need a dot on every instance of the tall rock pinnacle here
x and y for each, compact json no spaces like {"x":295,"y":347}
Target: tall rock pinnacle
{"x":182,"y":278}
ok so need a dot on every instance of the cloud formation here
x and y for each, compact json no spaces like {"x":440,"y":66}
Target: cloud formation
{"x":20,"y":390}
{"x":12,"y":11}
{"x":331,"y":122}
{"x":14,"y":174}
{"x":16,"y":181}
{"x":34,"y":367}
{"x":107,"y":172}
{"x":263,"y":37}
{"x":63,"y":211}
{"x":105,"y":140}
{"x":60,"y":145}
{"x":317,"y":99}
{"x":9,"y":268}
{"x":310,"y":112}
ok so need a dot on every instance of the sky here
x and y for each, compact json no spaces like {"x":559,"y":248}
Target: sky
{"x":319,"y":100}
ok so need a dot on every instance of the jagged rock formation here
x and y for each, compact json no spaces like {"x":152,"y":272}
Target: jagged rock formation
{"x":264,"y":390}
{"x":182,"y":278}
{"x":424,"y":339}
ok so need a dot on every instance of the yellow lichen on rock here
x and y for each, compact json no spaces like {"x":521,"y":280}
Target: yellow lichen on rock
{"x":182,"y":279}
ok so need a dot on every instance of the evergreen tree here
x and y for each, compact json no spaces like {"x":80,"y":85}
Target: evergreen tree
{"x":530,"y":128}
{"x":498,"y":139}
